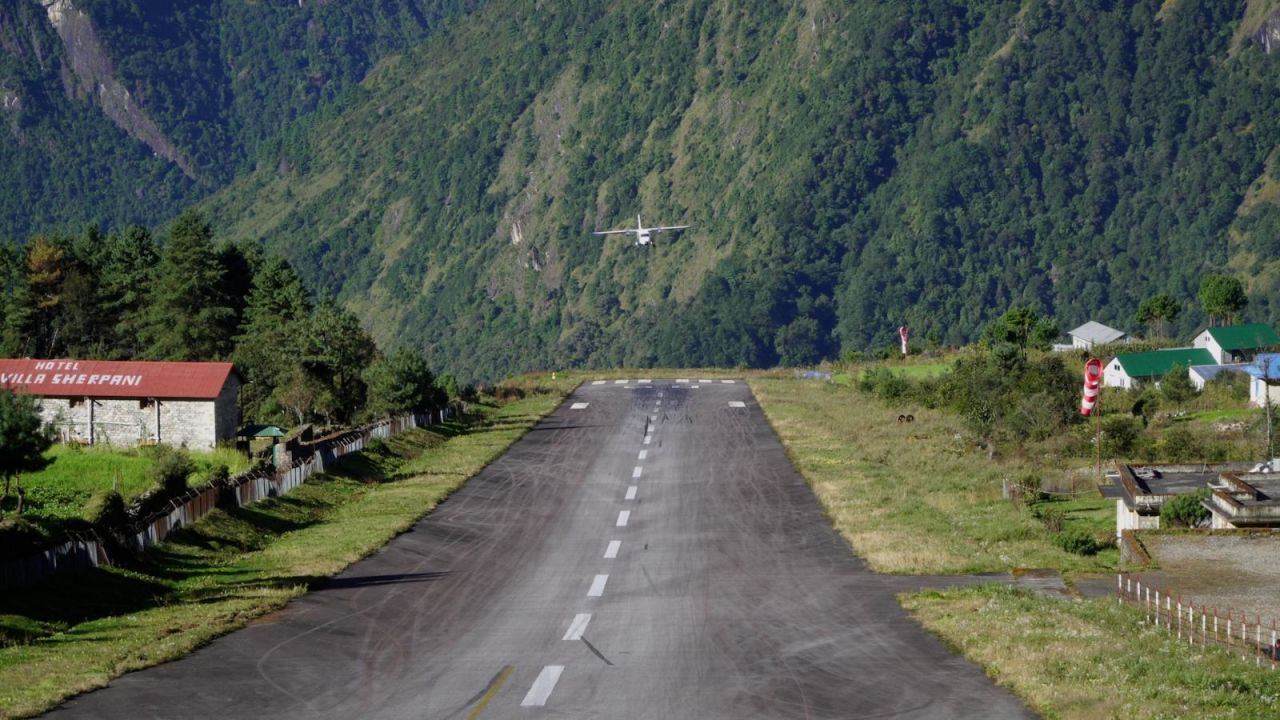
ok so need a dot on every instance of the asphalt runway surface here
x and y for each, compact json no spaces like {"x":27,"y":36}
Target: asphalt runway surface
{"x":647,"y":551}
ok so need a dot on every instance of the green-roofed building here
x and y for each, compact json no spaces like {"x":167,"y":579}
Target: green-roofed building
{"x":1237,"y":343}
{"x":1127,"y":370}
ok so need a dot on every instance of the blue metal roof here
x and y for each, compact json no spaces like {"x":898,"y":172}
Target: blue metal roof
{"x":1265,"y":366}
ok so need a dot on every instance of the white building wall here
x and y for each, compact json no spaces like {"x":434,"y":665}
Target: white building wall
{"x":1205,"y":340}
{"x":1127,"y":519}
{"x":1258,"y":391}
{"x":197,"y":424}
{"x":1113,"y":375}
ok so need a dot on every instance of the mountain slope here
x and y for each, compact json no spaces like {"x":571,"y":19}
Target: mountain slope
{"x":847,"y":167}
{"x":128,"y":110}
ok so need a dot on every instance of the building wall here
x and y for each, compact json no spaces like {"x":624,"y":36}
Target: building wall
{"x":1219,"y":522}
{"x":197,"y":424}
{"x":1206,"y":341}
{"x":1127,"y":519}
{"x":1115,"y":376}
{"x":1258,"y":390}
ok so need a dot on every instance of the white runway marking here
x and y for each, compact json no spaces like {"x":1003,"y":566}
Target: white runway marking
{"x":653,"y":418}
{"x":579,"y":406}
{"x":597,"y":586}
{"x":621,"y":382}
{"x":598,"y":382}
{"x":631,"y":493}
{"x":635,"y":472}
{"x":706,"y":382}
{"x":543,"y":686}
{"x":647,"y":438}
{"x":643,"y":454}
{"x":685,"y":380}
{"x":578,"y":626}
{"x":645,"y":382}
{"x":611,"y":552}
{"x":737,"y":403}
{"x":728,"y":382}
{"x":623,"y":517}
{"x":694,"y":387}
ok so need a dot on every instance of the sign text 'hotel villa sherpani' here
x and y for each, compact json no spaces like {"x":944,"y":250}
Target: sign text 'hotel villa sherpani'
{"x":66,"y":373}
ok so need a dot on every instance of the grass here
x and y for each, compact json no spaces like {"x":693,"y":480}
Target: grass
{"x":59,"y":492}
{"x":1094,"y":658}
{"x":913,"y":497}
{"x":77,"y":633}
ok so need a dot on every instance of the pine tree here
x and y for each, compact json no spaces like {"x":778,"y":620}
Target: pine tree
{"x":23,"y":439}
{"x":275,"y":316}
{"x":188,"y":316}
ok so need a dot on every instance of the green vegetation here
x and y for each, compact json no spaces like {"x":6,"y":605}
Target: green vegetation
{"x":231,"y":567}
{"x":23,"y":442}
{"x":1185,"y":510}
{"x":1093,"y":658}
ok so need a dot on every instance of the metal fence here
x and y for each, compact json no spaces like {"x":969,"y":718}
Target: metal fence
{"x":1253,"y":640}
{"x":85,"y":550}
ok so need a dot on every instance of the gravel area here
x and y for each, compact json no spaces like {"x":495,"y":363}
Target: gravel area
{"x":1236,"y":571}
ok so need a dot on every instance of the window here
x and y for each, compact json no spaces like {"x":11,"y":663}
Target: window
{"x":146,"y":403}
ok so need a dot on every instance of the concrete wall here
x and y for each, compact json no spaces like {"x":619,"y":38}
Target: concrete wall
{"x":1127,"y":519}
{"x":197,"y":424}
{"x":1258,"y":390}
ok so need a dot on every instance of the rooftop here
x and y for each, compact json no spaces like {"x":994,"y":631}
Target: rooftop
{"x":115,"y":379}
{"x":1096,"y":332}
{"x":1157,"y":363}
{"x":1244,"y":337}
{"x":1246,"y":500}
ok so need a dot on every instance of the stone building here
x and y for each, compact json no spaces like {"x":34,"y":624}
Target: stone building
{"x":135,"y":402}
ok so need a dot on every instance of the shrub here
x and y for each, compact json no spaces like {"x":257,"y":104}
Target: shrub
{"x":1077,"y":541}
{"x":1119,"y":433}
{"x":170,"y":469}
{"x":1176,"y":385}
{"x":218,"y":474}
{"x":1185,"y":510}
{"x":1179,"y":444}
{"x":1027,"y":487}
{"x":883,"y":383}
{"x":105,"y":508}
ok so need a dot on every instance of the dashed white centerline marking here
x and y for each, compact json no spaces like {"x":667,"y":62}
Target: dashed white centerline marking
{"x":579,"y":406}
{"x":543,"y":686}
{"x":647,"y":438}
{"x":597,"y":586}
{"x":635,"y":472}
{"x":578,"y":626}
{"x":611,"y":552}
{"x":643,"y":454}
{"x":623,"y":517}
{"x":694,"y":387}
{"x":598,"y":382}
{"x":659,"y":403}
{"x":737,"y":403}
{"x":685,"y":381}
{"x":631,"y":493}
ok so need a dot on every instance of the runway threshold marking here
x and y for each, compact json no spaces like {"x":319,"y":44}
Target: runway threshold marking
{"x":635,"y":472}
{"x":597,"y":586}
{"x":737,"y":403}
{"x":645,"y":382}
{"x":542,"y":686}
{"x":579,"y":406}
{"x":598,"y":382}
{"x":621,"y":382}
{"x":611,"y":552}
{"x":631,"y":493}
{"x":706,"y":382}
{"x":728,"y":382}
{"x":494,"y":686}
{"x":623,"y":517}
{"x":578,"y":626}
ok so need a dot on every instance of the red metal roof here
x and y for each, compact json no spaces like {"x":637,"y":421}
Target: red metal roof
{"x":115,"y":379}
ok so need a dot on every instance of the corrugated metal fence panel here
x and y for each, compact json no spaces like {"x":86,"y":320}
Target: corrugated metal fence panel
{"x":69,"y":554}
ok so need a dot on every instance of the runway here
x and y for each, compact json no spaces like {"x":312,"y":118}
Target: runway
{"x":646,"y":551}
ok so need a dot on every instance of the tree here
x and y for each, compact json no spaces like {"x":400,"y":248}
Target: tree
{"x":1157,"y":312}
{"x":188,"y":315}
{"x":797,"y":343}
{"x":1223,"y":298}
{"x":1024,"y":328}
{"x":23,"y":440}
{"x":276,"y":316}
{"x":1176,"y":385}
{"x":401,"y":382}
{"x":128,"y":269}
{"x":334,"y":353}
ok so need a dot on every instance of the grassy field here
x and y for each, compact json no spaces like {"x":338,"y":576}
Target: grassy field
{"x":59,"y":492}
{"x":1093,"y":659}
{"x":78,"y":633}
{"x":914,"y":497}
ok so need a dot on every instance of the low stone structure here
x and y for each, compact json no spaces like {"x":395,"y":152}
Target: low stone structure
{"x":131,"y":402}
{"x":1240,"y":503}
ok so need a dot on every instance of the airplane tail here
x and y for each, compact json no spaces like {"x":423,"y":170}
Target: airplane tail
{"x":639,"y":222}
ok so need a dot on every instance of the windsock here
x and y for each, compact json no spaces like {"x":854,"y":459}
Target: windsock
{"x":1092,"y":379}
{"x":902,"y":333}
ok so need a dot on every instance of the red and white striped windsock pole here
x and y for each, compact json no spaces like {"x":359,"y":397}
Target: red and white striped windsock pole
{"x":902,"y":333}
{"x":1092,"y":379}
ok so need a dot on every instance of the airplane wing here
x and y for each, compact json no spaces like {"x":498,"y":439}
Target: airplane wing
{"x":672,"y":227}
{"x":614,"y":232}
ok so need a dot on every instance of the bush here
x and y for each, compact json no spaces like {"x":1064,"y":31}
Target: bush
{"x":1077,"y":541}
{"x":105,"y":508}
{"x":1179,"y":444}
{"x":1119,"y":434}
{"x":219,"y":473}
{"x":1027,"y":487}
{"x":883,"y":383}
{"x":170,"y":470}
{"x":1185,"y":510}
{"x":1176,"y":385}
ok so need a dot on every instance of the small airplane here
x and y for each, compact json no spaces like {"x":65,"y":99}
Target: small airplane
{"x":644,"y":235}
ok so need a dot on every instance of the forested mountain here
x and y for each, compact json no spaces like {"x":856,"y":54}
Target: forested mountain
{"x":847,"y":166}
{"x":122,"y":111}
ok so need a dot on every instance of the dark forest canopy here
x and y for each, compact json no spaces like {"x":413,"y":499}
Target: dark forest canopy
{"x":848,"y":168}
